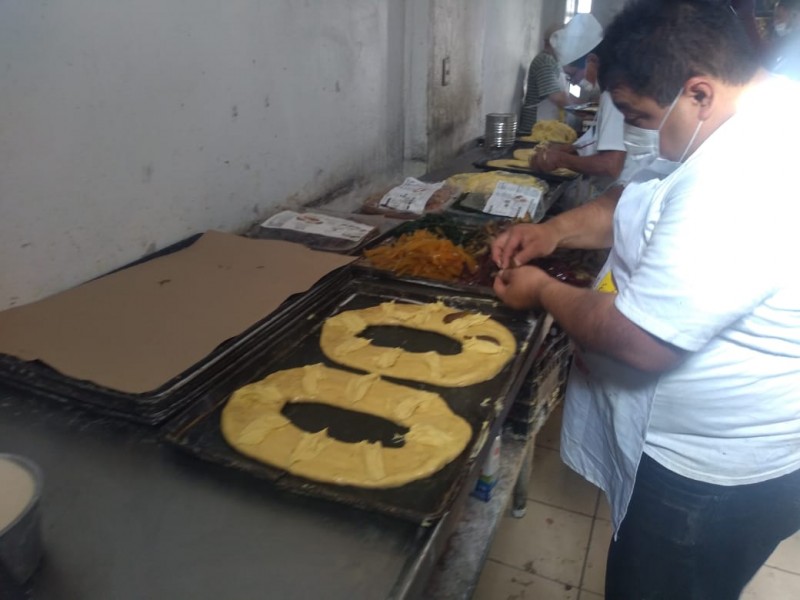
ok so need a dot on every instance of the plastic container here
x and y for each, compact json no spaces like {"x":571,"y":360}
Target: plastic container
{"x":488,"y":478}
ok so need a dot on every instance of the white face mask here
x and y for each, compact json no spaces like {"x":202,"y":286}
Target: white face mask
{"x":642,"y":160}
{"x":644,"y":149}
{"x":587,"y":87}
{"x":781,"y":29}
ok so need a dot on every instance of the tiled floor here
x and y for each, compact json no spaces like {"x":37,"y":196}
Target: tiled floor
{"x":557,"y":551}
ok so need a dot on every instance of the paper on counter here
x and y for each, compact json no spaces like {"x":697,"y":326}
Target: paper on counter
{"x":514,"y":201}
{"x":318,"y":224}
{"x":136,"y":329}
{"x":410,"y":196}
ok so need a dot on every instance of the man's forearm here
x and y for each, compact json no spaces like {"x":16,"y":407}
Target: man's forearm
{"x":589,"y":226}
{"x":606,"y":163}
{"x":592,"y":320}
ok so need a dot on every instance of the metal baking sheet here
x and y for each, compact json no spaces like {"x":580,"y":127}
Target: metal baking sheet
{"x":197,"y":429}
{"x":472,"y":204}
{"x":455,"y":226}
{"x":548,"y":177}
{"x":152,"y":408}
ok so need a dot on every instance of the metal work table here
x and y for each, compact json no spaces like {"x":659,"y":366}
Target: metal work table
{"x":125,"y":517}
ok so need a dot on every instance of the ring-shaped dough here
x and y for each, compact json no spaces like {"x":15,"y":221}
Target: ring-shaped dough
{"x":252,"y":423}
{"x":486,"y":345}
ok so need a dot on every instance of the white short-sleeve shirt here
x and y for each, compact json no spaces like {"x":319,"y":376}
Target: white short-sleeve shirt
{"x":607,"y":132}
{"x":705,"y":260}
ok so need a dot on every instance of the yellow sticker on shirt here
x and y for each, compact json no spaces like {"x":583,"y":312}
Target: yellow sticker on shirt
{"x":607,"y":284}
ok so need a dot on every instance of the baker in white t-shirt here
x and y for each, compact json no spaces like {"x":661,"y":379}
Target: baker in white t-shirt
{"x":684,"y":399}
{"x":599,"y":154}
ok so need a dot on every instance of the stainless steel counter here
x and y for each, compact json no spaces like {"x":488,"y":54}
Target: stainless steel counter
{"x":124,"y":517}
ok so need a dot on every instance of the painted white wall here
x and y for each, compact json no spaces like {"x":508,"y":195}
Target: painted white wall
{"x":490,"y":45}
{"x":511,"y":39}
{"x":126,"y":126}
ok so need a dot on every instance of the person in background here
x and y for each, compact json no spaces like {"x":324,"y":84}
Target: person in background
{"x":683,"y":403}
{"x":546,"y":90}
{"x":784,"y":55}
{"x":599,"y":154}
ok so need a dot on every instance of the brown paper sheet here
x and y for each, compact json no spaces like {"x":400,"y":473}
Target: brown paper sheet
{"x":136,"y":329}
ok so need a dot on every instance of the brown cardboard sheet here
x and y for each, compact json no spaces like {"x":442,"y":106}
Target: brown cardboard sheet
{"x":136,"y":329}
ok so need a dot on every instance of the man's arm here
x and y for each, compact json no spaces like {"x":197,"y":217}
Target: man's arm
{"x":589,"y":317}
{"x":560,"y":98}
{"x":604,"y":163}
{"x":590,"y":226}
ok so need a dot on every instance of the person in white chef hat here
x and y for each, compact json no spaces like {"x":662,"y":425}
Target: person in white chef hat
{"x":599,"y":154}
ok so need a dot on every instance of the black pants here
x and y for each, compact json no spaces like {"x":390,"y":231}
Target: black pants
{"x":683,"y":539}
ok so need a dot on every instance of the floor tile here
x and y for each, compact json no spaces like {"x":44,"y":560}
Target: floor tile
{"x":549,"y":435}
{"x":586,"y":595}
{"x":787,"y":555}
{"x":499,"y":581}
{"x":594,"y":574}
{"x":547,"y":541}
{"x":553,"y":482}
{"x":772,"y":584}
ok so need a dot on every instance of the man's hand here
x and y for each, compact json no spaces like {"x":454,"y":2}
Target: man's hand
{"x":521,"y":287}
{"x":547,"y":159}
{"x":521,"y":243}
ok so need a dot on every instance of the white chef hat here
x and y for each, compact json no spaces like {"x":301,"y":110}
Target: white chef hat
{"x":577,"y":38}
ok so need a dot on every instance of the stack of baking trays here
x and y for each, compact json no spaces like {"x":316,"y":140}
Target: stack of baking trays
{"x":188,"y":408}
{"x":544,"y":387}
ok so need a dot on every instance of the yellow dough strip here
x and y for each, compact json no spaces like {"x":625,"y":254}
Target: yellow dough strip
{"x":486,"y":345}
{"x":252,"y":423}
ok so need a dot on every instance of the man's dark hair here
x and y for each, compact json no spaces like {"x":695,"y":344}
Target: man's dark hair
{"x":654,"y":46}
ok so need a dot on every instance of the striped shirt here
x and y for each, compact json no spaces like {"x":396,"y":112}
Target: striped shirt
{"x":543,"y":80}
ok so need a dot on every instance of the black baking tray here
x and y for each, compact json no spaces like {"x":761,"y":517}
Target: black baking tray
{"x":197,"y":430}
{"x":154,"y":407}
{"x":548,"y":177}
{"x":455,"y":225}
{"x":470,"y":205}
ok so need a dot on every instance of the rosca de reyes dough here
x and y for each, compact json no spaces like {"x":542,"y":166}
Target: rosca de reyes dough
{"x":484,"y":183}
{"x":486,"y":345}
{"x":551,"y":131}
{"x":253,"y":423}
{"x":524,"y":154}
{"x":508,"y":163}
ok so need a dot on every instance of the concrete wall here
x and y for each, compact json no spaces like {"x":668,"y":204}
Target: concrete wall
{"x":605,"y":10}
{"x":128,"y":125}
{"x":489,"y":46}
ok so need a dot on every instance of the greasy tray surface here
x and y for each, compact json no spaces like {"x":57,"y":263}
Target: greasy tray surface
{"x":197,"y":429}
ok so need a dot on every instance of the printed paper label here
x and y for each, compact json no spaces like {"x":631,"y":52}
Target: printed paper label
{"x":410,"y":196}
{"x":512,"y":200}
{"x":318,"y":224}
